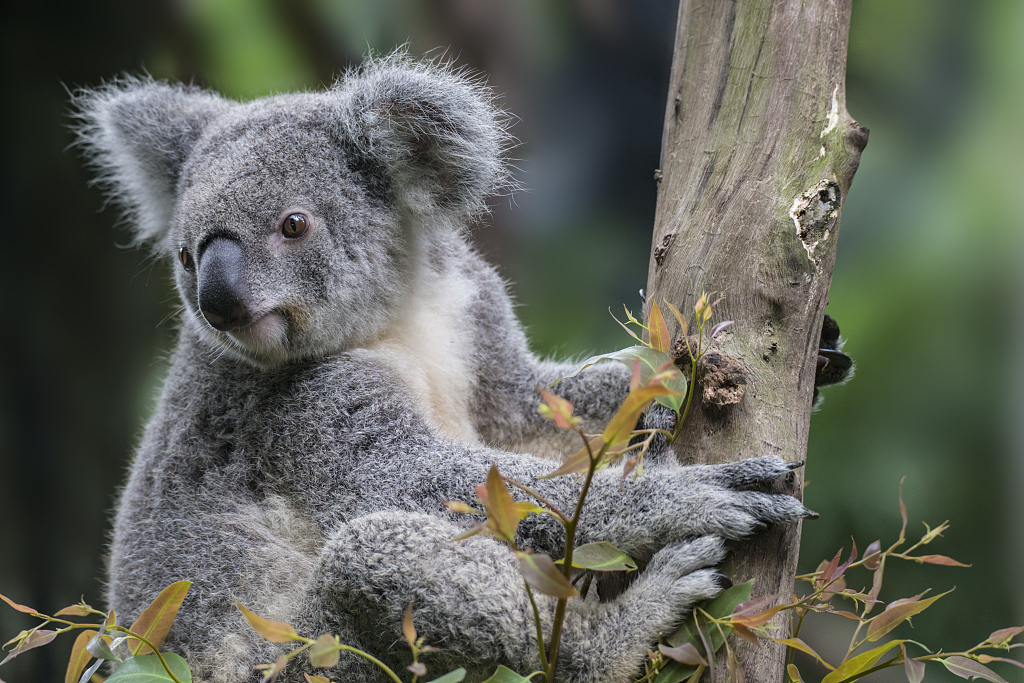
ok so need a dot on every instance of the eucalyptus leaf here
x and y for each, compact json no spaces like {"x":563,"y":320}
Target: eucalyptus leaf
{"x":148,"y":669}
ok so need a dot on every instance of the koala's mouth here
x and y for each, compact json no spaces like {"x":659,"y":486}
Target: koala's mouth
{"x":267,"y":331}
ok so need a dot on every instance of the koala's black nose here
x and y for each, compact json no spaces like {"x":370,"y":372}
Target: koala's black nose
{"x":222,"y":289}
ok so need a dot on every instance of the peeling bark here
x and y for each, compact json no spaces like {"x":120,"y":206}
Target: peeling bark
{"x":758,"y":156}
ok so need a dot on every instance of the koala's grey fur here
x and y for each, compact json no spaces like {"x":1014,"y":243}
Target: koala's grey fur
{"x":298,"y":463}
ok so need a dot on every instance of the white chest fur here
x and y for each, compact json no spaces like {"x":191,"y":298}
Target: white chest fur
{"x":427,"y":348}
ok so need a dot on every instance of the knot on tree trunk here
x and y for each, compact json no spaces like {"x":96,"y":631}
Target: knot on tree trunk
{"x":722,"y":379}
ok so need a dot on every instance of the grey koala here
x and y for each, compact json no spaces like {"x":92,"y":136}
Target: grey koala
{"x":347,"y":362}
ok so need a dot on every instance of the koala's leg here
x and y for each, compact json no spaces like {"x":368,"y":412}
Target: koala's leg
{"x":468,"y":600}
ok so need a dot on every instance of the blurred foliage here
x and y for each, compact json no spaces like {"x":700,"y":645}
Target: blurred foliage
{"x":928,"y":284}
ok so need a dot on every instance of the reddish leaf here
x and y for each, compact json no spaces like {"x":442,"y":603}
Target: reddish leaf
{"x":828,"y":570}
{"x":20,"y":608}
{"x":873,"y":555}
{"x":274,"y":631}
{"x":736,"y":674}
{"x":847,"y":615}
{"x":684,"y":654}
{"x":80,"y":657}
{"x":658,"y":330}
{"x":745,"y":633}
{"x":903,"y":511}
{"x":408,"y":629}
{"x":898,"y":612}
{"x":542,"y":574}
{"x":718,"y":328}
{"x":755,"y":605}
{"x":37,"y":638}
{"x":155,"y":621}
{"x":940,"y":559}
{"x":968,"y":668}
{"x":418,"y":668}
{"x":913,"y":668}
{"x":502,"y":514}
{"x":557,"y":409}
{"x":758,"y":619}
{"x":985,"y":659}
{"x":1003,"y":636}
{"x":81,"y":610}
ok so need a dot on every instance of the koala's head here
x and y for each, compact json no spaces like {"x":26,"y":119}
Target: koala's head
{"x":295,"y":221}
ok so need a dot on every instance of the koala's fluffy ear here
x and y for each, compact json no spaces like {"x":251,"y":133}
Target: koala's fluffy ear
{"x":431,"y":131}
{"x":137,"y":134}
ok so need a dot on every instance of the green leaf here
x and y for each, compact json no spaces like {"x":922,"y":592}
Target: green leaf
{"x":684,"y":654}
{"x":970,"y":669}
{"x":794,"y":674}
{"x":603,"y":557}
{"x":650,"y":362}
{"x":859,"y":664}
{"x":155,"y":621}
{"x":324,"y":652}
{"x":798,"y":644}
{"x":148,"y":669}
{"x":620,"y":427}
{"x":452,"y":677}
{"x":898,"y":612}
{"x":505,"y":675}
{"x":543,"y":575}
{"x":722,"y":606}
{"x":578,"y":462}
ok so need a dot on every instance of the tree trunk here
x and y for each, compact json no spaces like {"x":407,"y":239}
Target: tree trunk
{"x":758,"y":155}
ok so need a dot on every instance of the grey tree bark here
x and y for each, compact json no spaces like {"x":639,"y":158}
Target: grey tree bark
{"x":758,"y":156}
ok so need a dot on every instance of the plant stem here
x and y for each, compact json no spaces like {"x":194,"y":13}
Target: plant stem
{"x":373,"y":659}
{"x":540,"y":631}
{"x":570,"y":545}
{"x":538,"y":497}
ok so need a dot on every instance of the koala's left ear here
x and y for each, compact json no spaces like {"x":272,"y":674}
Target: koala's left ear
{"x":429,"y":136}
{"x":137,"y":134}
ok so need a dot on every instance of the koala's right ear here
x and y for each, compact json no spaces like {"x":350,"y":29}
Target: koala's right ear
{"x":137,"y":134}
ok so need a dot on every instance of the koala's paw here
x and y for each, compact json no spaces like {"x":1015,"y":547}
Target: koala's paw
{"x":683,"y":574}
{"x":730,"y":511}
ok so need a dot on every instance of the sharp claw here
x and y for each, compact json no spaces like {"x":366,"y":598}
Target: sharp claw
{"x":794,"y":465}
{"x":810,"y":514}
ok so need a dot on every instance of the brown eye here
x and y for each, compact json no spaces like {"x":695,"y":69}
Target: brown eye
{"x":295,"y":225}
{"x":186,"y":259}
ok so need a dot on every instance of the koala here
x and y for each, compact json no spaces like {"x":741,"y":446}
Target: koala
{"x":346,"y":362}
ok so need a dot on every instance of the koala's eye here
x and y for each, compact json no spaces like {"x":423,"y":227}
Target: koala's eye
{"x":186,"y":259}
{"x":295,"y":225}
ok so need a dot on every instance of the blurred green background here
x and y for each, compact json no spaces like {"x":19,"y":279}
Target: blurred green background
{"x":929,"y":286}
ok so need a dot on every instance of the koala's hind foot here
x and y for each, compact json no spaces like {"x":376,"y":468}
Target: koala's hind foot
{"x":379,"y":564}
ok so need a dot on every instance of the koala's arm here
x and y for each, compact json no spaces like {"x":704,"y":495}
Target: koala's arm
{"x":507,"y":373}
{"x":384,"y":448}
